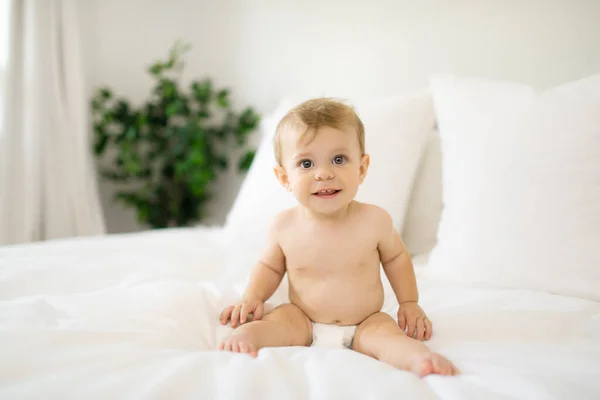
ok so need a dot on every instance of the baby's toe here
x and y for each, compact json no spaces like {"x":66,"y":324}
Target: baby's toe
{"x":225,"y":345}
{"x":252,"y":350}
{"x":239,"y":345}
{"x":231,"y":346}
{"x":455,"y":370}
{"x":425,"y":368}
{"x":248,"y":348}
{"x":441,"y":365}
{"x":243,"y":347}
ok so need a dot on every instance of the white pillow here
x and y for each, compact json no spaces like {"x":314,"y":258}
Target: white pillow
{"x":521,"y":185}
{"x":425,"y":206}
{"x":396,"y":130}
{"x":260,"y":194}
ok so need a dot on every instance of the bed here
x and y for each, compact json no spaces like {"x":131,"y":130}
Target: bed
{"x":136,"y":315}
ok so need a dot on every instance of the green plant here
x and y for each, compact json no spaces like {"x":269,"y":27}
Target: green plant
{"x":169,"y":150}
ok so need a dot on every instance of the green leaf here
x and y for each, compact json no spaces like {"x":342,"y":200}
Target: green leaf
{"x":198,"y":189}
{"x":167,"y":89}
{"x":203,"y":112}
{"x":97,"y":105}
{"x":105,"y":94}
{"x":222,"y":161}
{"x":100,"y":143}
{"x":156,"y":116}
{"x":170,"y":63}
{"x":172,"y":109}
{"x":247,"y":122}
{"x":108,"y":117}
{"x":121,"y":112}
{"x":195,"y":131}
{"x":249,"y":119}
{"x":223,"y":98}
{"x":130,"y":160}
{"x":197,"y":157}
{"x":131,"y":133}
{"x":181,"y":169}
{"x":143,"y":211}
{"x":202,"y":91}
{"x":156,"y":68}
{"x":246,"y":161}
{"x":178,"y":106}
{"x":139,"y":201}
{"x":142,"y":120}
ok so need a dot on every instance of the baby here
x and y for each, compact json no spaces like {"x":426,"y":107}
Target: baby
{"x":331,"y":247}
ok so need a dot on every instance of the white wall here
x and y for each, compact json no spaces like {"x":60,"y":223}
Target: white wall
{"x":264,"y":50}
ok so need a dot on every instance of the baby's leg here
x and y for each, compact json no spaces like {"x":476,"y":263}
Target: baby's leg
{"x":285,"y":325}
{"x":379,"y":336}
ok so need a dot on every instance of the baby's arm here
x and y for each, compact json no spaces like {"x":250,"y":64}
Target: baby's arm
{"x":269,"y":271}
{"x":396,"y":262}
{"x":399,"y":269}
{"x":264,"y":280}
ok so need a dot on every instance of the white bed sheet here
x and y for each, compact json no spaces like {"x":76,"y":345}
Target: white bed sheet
{"x":135,"y":316}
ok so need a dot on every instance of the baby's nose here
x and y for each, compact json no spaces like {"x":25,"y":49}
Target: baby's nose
{"x":323,"y":174}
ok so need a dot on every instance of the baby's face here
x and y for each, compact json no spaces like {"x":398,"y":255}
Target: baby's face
{"x":324,"y":175}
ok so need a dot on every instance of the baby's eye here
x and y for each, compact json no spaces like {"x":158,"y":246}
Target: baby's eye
{"x":306,"y":164}
{"x":339,"y":160}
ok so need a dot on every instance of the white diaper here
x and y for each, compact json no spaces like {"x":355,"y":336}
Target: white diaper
{"x":333,"y":336}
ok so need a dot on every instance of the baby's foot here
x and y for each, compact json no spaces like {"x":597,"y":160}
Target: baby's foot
{"x":239,"y":343}
{"x":429,"y":362}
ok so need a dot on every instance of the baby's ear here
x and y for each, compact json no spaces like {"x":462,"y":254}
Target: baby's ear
{"x":364,"y":167}
{"x":282,"y":177}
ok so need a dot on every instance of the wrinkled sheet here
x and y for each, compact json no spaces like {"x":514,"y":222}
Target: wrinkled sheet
{"x":135,"y":316}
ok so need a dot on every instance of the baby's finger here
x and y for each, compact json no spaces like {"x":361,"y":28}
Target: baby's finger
{"x":428,"y":328}
{"x":235,"y":316}
{"x":402,"y":321}
{"x":412,"y":325}
{"x":244,"y":313}
{"x":420,"y":329}
{"x":258,"y":312}
{"x":225,"y":314}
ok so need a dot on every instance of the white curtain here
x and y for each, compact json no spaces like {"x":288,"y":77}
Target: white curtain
{"x":48,"y":188}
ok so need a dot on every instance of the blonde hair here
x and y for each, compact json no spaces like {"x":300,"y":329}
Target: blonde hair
{"x":313,"y":114}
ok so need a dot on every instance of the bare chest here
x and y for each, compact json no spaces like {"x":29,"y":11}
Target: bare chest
{"x":329,"y":251}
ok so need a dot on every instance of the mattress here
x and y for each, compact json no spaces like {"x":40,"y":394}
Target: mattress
{"x":136,"y":316}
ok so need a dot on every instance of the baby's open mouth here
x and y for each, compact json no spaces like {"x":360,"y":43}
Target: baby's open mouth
{"x":327,"y":192}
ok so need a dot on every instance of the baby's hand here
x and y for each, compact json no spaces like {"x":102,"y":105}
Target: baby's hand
{"x":239,"y":312}
{"x":412,"y":316}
